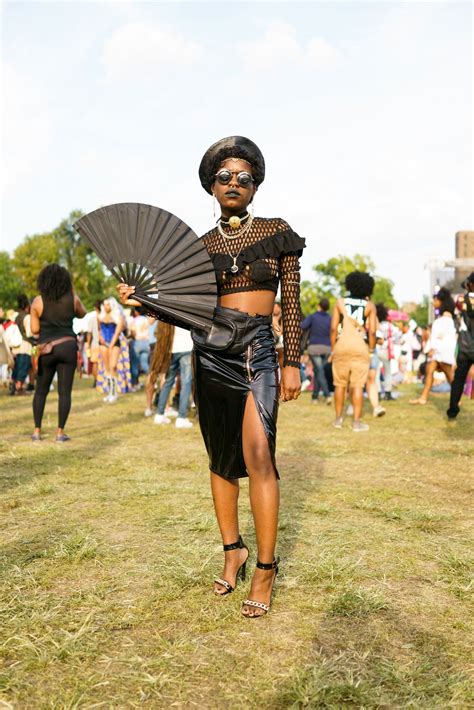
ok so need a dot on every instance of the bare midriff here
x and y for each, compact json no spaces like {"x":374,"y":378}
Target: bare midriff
{"x":254,"y":302}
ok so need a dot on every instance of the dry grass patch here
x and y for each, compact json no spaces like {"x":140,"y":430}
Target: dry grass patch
{"x":109,"y":546}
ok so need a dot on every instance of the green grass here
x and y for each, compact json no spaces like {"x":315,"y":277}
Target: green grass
{"x":109,"y":546}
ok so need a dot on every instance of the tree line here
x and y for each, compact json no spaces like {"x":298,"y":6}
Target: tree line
{"x":18,"y":272}
{"x":63,"y":245}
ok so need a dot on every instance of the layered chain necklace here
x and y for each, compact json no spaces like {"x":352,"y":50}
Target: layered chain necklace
{"x":235,"y":222}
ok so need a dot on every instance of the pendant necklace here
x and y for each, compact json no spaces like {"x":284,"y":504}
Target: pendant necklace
{"x":243,"y":230}
{"x":234,"y":220}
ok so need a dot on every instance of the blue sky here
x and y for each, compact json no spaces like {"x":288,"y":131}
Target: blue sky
{"x":363,"y":112}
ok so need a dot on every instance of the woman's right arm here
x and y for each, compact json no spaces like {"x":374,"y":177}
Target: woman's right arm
{"x":335,"y":320}
{"x":35,"y":314}
{"x":79,"y":309}
{"x":371,"y":326}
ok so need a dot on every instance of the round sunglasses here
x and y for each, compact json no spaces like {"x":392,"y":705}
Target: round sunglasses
{"x":224,"y":177}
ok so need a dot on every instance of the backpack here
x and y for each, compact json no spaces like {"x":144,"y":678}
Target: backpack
{"x":12,"y":335}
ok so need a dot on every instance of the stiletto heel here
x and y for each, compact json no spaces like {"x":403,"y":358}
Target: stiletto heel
{"x":260,"y":605}
{"x":239,"y":545}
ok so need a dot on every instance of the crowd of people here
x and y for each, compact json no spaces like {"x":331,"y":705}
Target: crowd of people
{"x":356,"y":353}
{"x":360,"y":351}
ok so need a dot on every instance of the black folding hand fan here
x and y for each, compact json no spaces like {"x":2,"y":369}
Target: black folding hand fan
{"x":151,"y":249}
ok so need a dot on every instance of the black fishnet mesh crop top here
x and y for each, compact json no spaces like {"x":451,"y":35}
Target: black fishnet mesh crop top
{"x":266,"y":255}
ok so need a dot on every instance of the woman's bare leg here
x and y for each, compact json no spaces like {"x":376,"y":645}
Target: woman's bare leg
{"x":448,"y":371}
{"x":104,"y":351}
{"x":225,"y":494}
{"x":264,"y":500}
{"x":430,"y":370}
{"x":339,"y":398}
{"x":113,"y":360}
{"x":149,"y":390}
{"x":372,"y":389}
{"x":357,"y":401}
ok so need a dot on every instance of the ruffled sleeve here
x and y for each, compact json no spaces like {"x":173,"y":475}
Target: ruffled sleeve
{"x":279,"y":244}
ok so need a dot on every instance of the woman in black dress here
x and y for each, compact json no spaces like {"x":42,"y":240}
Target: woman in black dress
{"x":238,"y":386}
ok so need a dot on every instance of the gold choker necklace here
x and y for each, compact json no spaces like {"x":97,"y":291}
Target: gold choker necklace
{"x":235,"y":221}
{"x":243,"y":230}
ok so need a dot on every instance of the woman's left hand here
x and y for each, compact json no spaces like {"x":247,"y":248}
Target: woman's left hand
{"x":290,"y":385}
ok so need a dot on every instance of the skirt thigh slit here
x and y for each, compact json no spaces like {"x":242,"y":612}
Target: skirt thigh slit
{"x":223,"y":383}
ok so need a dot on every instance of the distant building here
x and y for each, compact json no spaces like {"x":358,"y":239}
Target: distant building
{"x":464,"y":251}
{"x":452,"y":272}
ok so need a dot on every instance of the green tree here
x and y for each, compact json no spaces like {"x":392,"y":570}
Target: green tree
{"x":33,"y":254}
{"x":88,"y":274}
{"x":331,"y":275}
{"x":310,"y":296}
{"x":383,"y":292}
{"x":422,"y":312}
{"x":10,"y":284}
{"x":63,"y":246}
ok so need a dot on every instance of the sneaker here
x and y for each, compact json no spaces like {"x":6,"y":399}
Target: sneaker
{"x":337,"y":423}
{"x":161,"y":419}
{"x":314,"y":400}
{"x":171,"y":412}
{"x":148,"y":412}
{"x":305,"y":385}
{"x":389,"y":397}
{"x":359,"y":426}
{"x":62,"y":438}
{"x":183,"y":423}
{"x":379,"y":411}
{"x":350,"y":410}
{"x":112,"y":398}
{"x":328,"y":401}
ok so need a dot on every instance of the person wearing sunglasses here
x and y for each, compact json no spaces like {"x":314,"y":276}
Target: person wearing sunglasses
{"x":238,"y":388}
{"x":237,"y":380}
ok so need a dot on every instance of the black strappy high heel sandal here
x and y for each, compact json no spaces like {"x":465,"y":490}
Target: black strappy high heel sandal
{"x":261,"y":605}
{"x":239,"y":545}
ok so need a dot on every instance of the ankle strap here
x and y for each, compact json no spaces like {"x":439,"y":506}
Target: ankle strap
{"x":235,"y":545}
{"x":268,"y":565}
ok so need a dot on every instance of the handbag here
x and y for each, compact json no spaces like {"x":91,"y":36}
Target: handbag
{"x":221,"y":335}
{"x":47,"y":348}
{"x":232,"y":334}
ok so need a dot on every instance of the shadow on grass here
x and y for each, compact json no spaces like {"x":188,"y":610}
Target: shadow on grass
{"x":297,"y":486}
{"x":351,"y":665}
{"x":460,"y":428}
{"x":43,"y":458}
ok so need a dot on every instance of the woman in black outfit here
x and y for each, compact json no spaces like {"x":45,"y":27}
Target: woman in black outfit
{"x":237,"y":387}
{"x":52,"y":313}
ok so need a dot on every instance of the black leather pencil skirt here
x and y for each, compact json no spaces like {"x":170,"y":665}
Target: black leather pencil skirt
{"x":223,"y":381}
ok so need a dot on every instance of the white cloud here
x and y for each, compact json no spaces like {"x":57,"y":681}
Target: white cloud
{"x":321,"y":55}
{"x":138,"y":49}
{"x":280,"y":46}
{"x":27,"y":126}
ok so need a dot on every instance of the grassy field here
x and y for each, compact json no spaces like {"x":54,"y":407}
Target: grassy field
{"x":109,"y":547}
